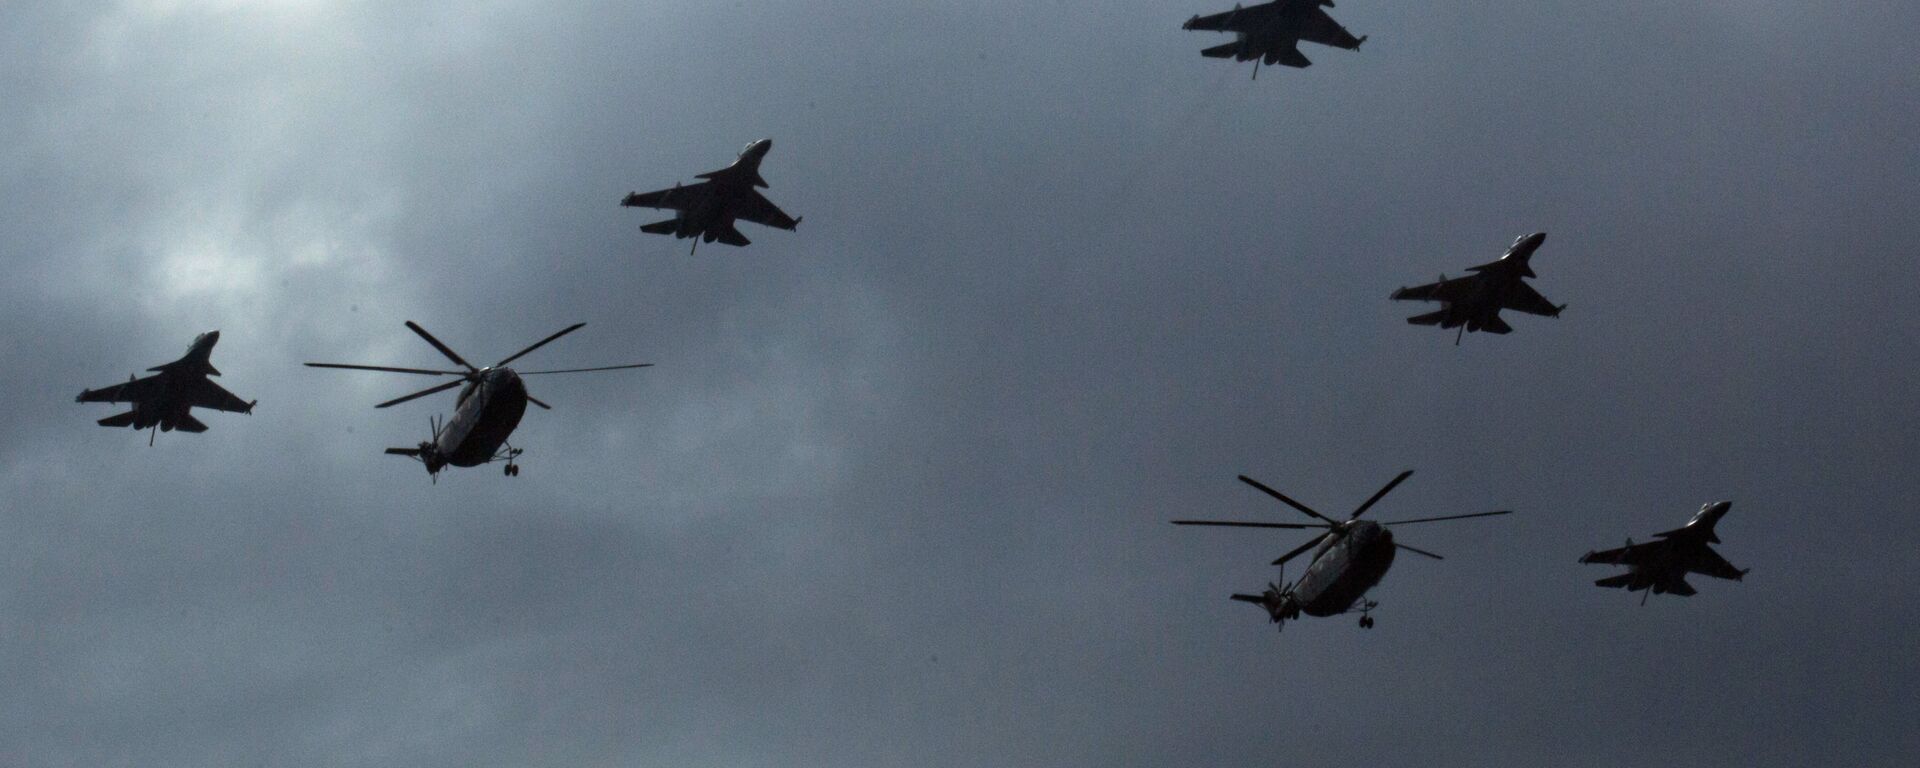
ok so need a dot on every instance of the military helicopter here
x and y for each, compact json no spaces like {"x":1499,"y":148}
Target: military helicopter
{"x":487,"y":412}
{"x":1351,"y":557}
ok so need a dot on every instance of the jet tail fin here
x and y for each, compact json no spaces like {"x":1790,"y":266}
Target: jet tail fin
{"x":1616,"y":582}
{"x":1430,"y":318}
{"x":187,"y":423}
{"x":1290,"y":57}
{"x":726,"y":233}
{"x":118,"y":420}
{"x":661,"y":227}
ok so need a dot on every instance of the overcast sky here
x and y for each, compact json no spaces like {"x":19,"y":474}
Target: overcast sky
{"x":896,"y":492}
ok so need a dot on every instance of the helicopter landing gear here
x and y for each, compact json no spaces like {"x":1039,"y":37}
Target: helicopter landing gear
{"x":512,"y":469}
{"x":1366,"y":621}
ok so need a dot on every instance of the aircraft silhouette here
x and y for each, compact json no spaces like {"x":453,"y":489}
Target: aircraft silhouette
{"x":486,"y":413}
{"x":164,"y":400}
{"x":1348,"y":560}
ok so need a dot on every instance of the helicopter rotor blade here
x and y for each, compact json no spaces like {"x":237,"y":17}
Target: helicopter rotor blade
{"x":1448,"y":517}
{"x":539,"y":344}
{"x":444,"y":349}
{"x":1302,"y":548}
{"x":584,"y":370}
{"x":388,"y":369}
{"x":536,"y":401}
{"x":423,"y":393}
{"x":1418,"y":551}
{"x":1384,"y":490}
{"x":1238,"y":524}
{"x":1289,"y":502}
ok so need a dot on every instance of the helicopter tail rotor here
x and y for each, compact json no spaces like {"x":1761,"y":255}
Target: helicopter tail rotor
{"x":427,"y":452}
{"x":1276,"y":600}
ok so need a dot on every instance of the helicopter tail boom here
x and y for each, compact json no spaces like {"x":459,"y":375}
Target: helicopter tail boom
{"x":426,"y":453}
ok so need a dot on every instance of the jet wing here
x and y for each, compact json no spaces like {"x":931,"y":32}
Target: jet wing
{"x":756,"y":208}
{"x":207,"y":394}
{"x":1235,"y":20}
{"x":1632,"y":554}
{"x":1445,"y":290}
{"x":1321,"y":28}
{"x":135,"y":391}
{"x":1708,"y":562}
{"x":1523,"y":298}
{"x":675,"y":199}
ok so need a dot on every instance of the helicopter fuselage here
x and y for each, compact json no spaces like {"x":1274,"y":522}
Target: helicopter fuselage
{"x":486,"y":414}
{"x":1344,"y":569}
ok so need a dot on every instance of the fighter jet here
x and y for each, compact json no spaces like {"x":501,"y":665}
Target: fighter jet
{"x":162,"y":401}
{"x":1270,"y":32}
{"x":707,"y":209}
{"x":1661,"y":566}
{"x":1473,"y":303}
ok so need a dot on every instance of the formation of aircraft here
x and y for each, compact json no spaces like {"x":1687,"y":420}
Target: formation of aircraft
{"x":708,"y":209}
{"x":1660,"y":567}
{"x":1272,"y":32}
{"x":1473,"y":303}
{"x":486,"y":412}
{"x":1349,"y":557}
{"x":164,"y":401}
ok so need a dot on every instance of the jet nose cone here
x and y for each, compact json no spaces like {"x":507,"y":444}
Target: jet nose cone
{"x":1717,"y":508}
{"x":210,"y":338}
{"x":759,"y":148}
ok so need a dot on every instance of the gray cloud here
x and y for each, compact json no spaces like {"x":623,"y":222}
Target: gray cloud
{"x":896,"y":492}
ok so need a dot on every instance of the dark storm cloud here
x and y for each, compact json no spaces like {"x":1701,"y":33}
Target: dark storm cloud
{"x":896,"y":492}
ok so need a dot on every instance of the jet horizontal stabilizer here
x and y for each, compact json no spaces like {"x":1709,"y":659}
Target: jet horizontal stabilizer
{"x":1228,"y":51}
{"x":1621,"y":580}
{"x":1430,"y":318}
{"x":118,"y":420}
{"x":661,"y":227}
